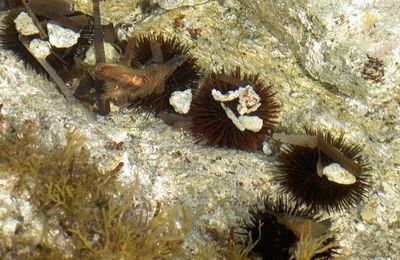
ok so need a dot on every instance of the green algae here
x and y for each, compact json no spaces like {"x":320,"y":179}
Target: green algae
{"x":97,"y":217}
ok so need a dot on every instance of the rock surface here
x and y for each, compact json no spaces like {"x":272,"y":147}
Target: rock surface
{"x":326,"y":91}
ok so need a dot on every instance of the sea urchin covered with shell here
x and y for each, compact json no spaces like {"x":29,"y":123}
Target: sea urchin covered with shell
{"x":233,"y":110}
{"x":323,"y":171}
{"x":282,"y":230}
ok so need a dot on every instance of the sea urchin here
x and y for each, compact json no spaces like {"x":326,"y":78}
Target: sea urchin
{"x":157,"y":49}
{"x":329,"y":174}
{"x":233,"y":110}
{"x":281,"y":230}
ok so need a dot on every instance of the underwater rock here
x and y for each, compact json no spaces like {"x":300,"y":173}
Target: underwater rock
{"x":333,"y":39}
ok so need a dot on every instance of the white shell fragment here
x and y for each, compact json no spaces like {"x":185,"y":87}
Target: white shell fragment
{"x":181,"y":101}
{"x":252,"y":123}
{"x":249,"y":100}
{"x":231,"y":95}
{"x":233,"y":117}
{"x":61,"y":37}
{"x":336,"y":173}
{"x":40,"y":49}
{"x":24,"y":24}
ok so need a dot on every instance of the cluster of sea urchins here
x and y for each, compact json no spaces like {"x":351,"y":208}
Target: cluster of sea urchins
{"x":229,"y":109}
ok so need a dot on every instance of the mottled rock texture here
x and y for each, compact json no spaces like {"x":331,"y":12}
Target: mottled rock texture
{"x":333,"y":39}
{"x":315,"y":55}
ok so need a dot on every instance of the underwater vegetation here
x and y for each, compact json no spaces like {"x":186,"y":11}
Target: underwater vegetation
{"x":233,"y":110}
{"x":90,"y":212}
{"x":283,"y":230}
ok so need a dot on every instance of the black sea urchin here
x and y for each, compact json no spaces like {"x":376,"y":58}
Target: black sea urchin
{"x":213,"y":125}
{"x":281,"y":230}
{"x":186,"y":76}
{"x":299,"y":174}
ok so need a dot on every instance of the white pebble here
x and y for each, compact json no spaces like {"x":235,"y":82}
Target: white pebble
{"x":336,"y":173}
{"x":61,"y":37}
{"x":267,"y":148}
{"x":24,"y":24}
{"x":40,"y":49}
{"x":181,"y":101}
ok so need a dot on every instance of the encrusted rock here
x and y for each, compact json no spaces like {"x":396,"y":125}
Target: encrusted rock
{"x":336,"y":173}
{"x":24,"y":24}
{"x":40,"y":49}
{"x":61,"y":37}
{"x":181,"y":101}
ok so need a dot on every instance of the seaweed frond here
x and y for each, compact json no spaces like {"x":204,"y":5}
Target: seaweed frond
{"x":97,"y":218}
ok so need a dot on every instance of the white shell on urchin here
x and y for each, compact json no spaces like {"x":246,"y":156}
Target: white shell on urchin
{"x":39,"y":48}
{"x":24,"y":24}
{"x":336,"y":173}
{"x":252,"y":123}
{"x":61,"y":37}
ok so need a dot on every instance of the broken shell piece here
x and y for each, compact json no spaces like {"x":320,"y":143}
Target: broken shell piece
{"x":252,"y":123}
{"x":336,"y":173}
{"x":62,"y":37}
{"x":40,"y":49}
{"x":24,"y":24}
{"x":233,"y":117}
{"x":231,"y":95}
{"x":181,"y":101}
{"x":249,"y":101}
